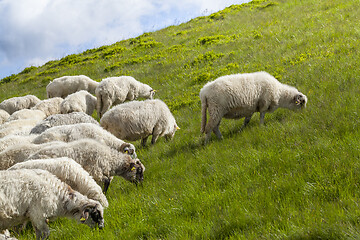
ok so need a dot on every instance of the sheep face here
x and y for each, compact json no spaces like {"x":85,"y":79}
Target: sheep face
{"x":298,"y":102}
{"x":133,"y":171}
{"x":90,"y":212}
{"x":171,"y":133}
{"x":93,"y":216}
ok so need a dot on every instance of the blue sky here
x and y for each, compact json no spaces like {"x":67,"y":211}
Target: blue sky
{"x":33,"y":32}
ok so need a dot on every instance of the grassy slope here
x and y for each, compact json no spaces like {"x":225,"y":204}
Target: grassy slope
{"x":297,"y":177}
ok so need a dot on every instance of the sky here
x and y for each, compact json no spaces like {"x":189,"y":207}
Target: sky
{"x":33,"y":32}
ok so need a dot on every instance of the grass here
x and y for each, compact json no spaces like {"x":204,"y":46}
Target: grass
{"x":296,"y":177}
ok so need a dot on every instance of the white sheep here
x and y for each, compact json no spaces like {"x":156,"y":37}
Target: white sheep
{"x":14,"y":104}
{"x":241,"y":95}
{"x":62,"y":119}
{"x":37,"y":195}
{"x":27,"y":114}
{"x":11,"y":140}
{"x":69,"y":133}
{"x":81,"y":101}
{"x":70,"y":172}
{"x":21,"y":152}
{"x":6,"y":235}
{"x":63,"y":86}
{"x":115,"y":90}
{"x":17,"y":127}
{"x":139,"y":119}
{"x":101,"y":161}
{"x":4,"y":115}
{"x":49,"y":106}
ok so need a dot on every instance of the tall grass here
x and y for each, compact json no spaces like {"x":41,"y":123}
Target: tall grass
{"x":296,"y":177}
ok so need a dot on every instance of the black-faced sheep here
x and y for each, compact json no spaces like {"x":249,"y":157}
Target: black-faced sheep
{"x":115,"y":90}
{"x":38,"y":195}
{"x":70,"y":133}
{"x":241,"y":95}
{"x":139,"y":119}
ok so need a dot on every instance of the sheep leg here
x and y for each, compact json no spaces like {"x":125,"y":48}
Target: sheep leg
{"x":262,"y":116}
{"x":246,"y":121}
{"x":143,"y":141}
{"x":106,"y":104}
{"x":42,"y":232}
{"x":217,"y":131}
{"x":107,"y":182}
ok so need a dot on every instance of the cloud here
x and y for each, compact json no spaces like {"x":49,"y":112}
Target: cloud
{"x":32,"y":32}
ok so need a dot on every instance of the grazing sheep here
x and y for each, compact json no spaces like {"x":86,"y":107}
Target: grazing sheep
{"x":14,"y":104}
{"x":70,"y":172}
{"x":69,"y":133}
{"x":63,"y":86}
{"x":37,"y":195}
{"x":11,"y":140}
{"x":17,"y":127}
{"x":140,"y":119}
{"x":81,"y":101}
{"x":115,"y":90}
{"x":21,"y":152}
{"x":101,"y":161}
{"x":62,"y":119}
{"x":4,"y":115}
{"x":49,"y":106}
{"x":27,"y":114}
{"x":241,"y":95}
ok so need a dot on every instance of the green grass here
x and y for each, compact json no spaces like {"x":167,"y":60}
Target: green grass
{"x":296,"y":177}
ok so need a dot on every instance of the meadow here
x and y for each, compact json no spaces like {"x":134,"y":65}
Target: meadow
{"x":296,"y":177}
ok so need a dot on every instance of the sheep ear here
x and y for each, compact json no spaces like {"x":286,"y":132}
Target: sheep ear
{"x":177,"y":127}
{"x":84,"y":215}
{"x":125,"y":148}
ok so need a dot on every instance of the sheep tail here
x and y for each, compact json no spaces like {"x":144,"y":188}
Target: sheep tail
{"x":203,"y":113}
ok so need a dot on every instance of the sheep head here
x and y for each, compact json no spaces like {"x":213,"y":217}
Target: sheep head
{"x":300,"y":100}
{"x":132,"y":170}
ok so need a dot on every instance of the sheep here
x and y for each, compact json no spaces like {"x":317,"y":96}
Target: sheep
{"x":37,"y":195}
{"x":140,"y":119}
{"x":101,"y":161}
{"x":241,"y":95}
{"x":14,"y":104}
{"x":4,"y":115}
{"x":11,"y":140}
{"x":27,"y":114}
{"x":17,"y":127}
{"x":49,"y":106}
{"x":70,"y":172}
{"x":62,"y":119}
{"x":21,"y":152}
{"x":81,"y":101}
{"x":69,"y":133}
{"x":115,"y":90}
{"x":63,"y":86}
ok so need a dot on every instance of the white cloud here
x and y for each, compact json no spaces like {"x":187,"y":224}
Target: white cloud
{"x":34,"y":31}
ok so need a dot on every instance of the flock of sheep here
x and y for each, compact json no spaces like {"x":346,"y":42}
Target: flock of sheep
{"x":58,"y":161}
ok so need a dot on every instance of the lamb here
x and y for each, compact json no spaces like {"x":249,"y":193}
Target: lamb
{"x":27,"y":114}
{"x":81,"y":101}
{"x":115,"y":90}
{"x":99,"y":160}
{"x":62,"y":119}
{"x":241,"y":95}
{"x":12,"y":140}
{"x":17,"y":127}
{"x":49,"y":106}
{"x":69,"y":133}
{"x":70,"y":172}
{"x":14,"y":104}
{"x":37,"y":195}
{"x":21,"y":152}
{"x":63,"y":86}
{"x":140,"y":119}
{"x":4,"y":115}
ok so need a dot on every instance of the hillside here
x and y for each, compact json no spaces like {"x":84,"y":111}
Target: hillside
{"x":296,"y":177}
